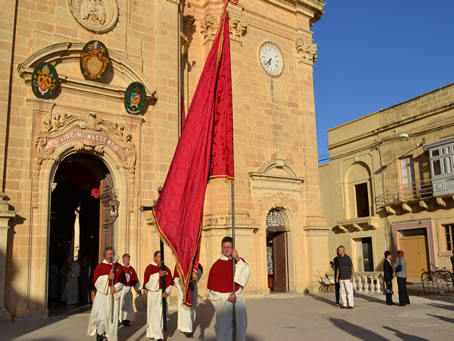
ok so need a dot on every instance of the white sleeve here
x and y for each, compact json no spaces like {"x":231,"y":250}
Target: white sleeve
{"x":153,"y":282}
{"x":218,"y":300}
{"x":102,"y":285}
{"x":169,"y":289}
{"x":242,"y":273}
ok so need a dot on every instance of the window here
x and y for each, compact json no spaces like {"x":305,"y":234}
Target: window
{"x":407,"y":171}
{"x":442,"y":160}
{"x":368,"y":258}
{"x":362,"y":200}
{"x":449,"y":234}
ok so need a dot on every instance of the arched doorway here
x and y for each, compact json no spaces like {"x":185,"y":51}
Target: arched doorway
{"x":277,"y":252}
{"x":82,"y":182}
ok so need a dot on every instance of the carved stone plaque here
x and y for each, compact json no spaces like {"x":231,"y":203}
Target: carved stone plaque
{"x":98,"y":16}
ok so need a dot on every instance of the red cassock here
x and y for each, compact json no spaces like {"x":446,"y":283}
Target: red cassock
{"x":221,"y":277}
{"x":131,"y":273}
{"x":151,"y":270}
{"x":104,"y":269}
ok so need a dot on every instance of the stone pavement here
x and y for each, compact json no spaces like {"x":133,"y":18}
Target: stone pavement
{"x":282,"y":317}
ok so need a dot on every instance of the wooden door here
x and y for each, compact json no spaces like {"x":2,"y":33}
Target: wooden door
{"x":280,"y":261}
{"x":106,"y":223}
{"x":416,"y":255}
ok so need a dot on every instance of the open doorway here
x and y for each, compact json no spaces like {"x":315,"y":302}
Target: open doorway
{"x":277,"y":252}
{"x":76,"y":196}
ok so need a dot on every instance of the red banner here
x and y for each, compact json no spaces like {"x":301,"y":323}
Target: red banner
{"x":204,"y":151}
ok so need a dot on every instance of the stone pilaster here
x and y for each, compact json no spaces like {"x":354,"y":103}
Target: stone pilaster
{"x":5,"y":215}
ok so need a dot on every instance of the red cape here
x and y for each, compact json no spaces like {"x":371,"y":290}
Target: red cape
{"x":220,"y":278}
{"x":104,"y":269}
{"x":151,"y":270}
{"x":133,"y":279}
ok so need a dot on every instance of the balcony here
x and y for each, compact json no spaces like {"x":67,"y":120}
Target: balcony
{"x":410,"y":198}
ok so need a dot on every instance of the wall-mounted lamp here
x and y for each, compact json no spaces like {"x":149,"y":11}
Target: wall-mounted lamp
{"x":114,"y":204}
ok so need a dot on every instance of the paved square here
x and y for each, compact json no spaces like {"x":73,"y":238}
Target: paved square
{"x":281,"y":317}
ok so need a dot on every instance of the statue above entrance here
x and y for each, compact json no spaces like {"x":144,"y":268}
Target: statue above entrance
{"x":99,"y":16}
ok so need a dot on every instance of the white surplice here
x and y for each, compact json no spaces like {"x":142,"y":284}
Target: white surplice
{"x":154,"y":306}
{"x":71,"y":292}
{"x":224,"y":308}
{"x":186,"y":315}
{"x":126,"y":303}
{"x":101,"y":320}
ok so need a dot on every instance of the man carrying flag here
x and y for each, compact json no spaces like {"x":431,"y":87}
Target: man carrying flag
{"x":221,"y":295}
{"x":152,"y":283}
{"x":108,"y":278}
{"x":204,"y":151}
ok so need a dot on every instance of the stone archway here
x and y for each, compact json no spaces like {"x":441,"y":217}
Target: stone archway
{"x":66,"y":135}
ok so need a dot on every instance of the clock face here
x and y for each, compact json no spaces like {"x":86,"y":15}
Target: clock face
{"x":270,"y":57}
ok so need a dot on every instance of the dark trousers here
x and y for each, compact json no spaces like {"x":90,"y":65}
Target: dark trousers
{"x":403,"y":294}
{"x":389,"y":295}
{"x":337,"y":289}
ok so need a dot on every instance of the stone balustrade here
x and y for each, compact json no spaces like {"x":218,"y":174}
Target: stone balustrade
{"x":369,"y":283}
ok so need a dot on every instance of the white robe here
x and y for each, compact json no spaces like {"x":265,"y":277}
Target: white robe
{"x":154,"y":306}
{"x":186,"y":315}
{"x":223,"y":307}
{"x":71,"y":292}
{"x":126,"y":303}
{"x":100,"y":317}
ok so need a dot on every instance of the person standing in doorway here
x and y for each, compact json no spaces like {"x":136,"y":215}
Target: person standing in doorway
{"x":388,"y":278}
{"x":400,"y":267}
{"x":335,"y":266}
{"x":345,"y":278}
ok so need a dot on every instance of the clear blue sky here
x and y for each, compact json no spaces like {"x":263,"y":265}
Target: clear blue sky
{"x":376,"y":53}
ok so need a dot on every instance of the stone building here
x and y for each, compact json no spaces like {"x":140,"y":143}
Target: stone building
{"x":389,"y":184}
{"x":68,"y":143}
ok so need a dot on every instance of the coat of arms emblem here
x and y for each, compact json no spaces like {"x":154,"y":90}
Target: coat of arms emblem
{"x":45,"y":81}
{"x":135,"y":98}
{"x":94,"y":60}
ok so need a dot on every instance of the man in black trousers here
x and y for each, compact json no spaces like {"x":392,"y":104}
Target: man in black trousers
{"x":388,"y":277}
{"x":335,"y":266}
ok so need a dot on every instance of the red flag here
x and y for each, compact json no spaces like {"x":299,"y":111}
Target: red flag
{"x":204,"y":151}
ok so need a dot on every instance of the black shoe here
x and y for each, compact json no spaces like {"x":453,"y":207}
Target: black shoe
{"x":188,"y":334}
{"x":99,"y":337}
{"x":349,"y":307}
{"x":125,"y":323}
{"x":402,"y":305}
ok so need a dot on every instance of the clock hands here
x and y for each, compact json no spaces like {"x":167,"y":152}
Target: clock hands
{"x":268,"y":62}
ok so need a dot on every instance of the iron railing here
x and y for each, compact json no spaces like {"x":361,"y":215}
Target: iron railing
{"x":399,"y":194}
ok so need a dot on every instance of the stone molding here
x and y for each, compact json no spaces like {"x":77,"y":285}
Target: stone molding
{"x":277,"y":201}
{"x":306,"y":52}
{"x":60,"y":52}
{"x":62,"y":123}
{"x":99,"y":17}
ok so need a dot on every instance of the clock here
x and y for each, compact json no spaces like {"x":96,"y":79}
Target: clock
{"x":271,"y":59}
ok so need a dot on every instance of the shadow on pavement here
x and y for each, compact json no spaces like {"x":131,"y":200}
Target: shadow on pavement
{"x":443,"y":318}
{"x":370,"y":298}
{"x":443,"y":306}
{"x":357,"y":331}
{"x":323,"y":299}
{"x":205,"y":314}
{"x":404,"y":336}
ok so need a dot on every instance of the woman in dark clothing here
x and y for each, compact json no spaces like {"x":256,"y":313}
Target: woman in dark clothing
{"x":401,"y":278}
{"x":388,"y":278}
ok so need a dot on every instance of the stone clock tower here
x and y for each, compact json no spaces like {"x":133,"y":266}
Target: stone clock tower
{"x":90,"y":117}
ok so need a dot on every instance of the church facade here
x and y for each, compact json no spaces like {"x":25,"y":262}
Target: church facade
{"x":92,"y":103}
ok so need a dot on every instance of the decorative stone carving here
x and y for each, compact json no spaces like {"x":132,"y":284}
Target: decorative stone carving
{"x":306,"y":52}
{"x":87,"y":133}
{"x":237,"y":28}
{"x":279,"y":200}
{"x":99,"y":16}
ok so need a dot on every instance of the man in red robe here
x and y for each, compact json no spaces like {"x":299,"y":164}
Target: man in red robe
{"x":152,"y":283}
{"x":109,"y":280}
{"x":220,"y":284}
{"x":126,"y":301}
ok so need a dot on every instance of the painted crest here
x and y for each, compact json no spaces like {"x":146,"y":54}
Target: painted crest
{"x":135,"y":98}
{"x":45,"y":81}
{"x":94,"y":60}
{"x":99,"y":16}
